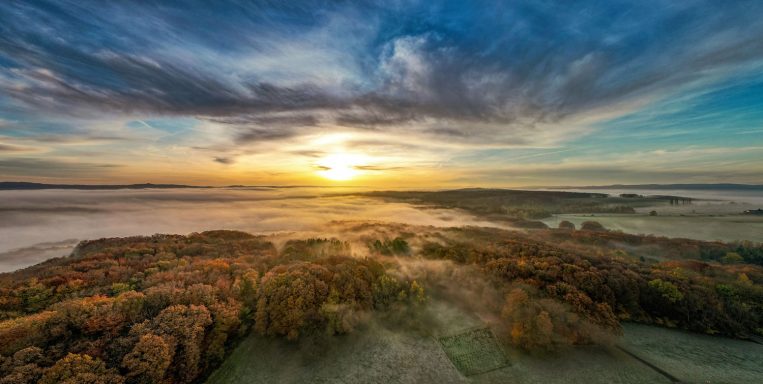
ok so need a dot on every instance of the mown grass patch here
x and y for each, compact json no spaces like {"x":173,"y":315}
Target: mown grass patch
{"x":474,"y":351}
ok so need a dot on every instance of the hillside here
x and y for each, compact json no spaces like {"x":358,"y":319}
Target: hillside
{"x":183,"y":302}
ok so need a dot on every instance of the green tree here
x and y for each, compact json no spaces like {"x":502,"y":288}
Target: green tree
{"x":667,"y":290}
{"x":732,"y":258}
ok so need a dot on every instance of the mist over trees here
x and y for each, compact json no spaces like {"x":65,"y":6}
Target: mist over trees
{"x":169,"y":308}
{"x":598,"y":284}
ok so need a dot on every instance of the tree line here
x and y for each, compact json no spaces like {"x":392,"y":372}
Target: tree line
{"x":168,"y":308}
{"x":566,"y":287}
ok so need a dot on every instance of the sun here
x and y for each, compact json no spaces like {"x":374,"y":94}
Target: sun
{"x":339,"y":166}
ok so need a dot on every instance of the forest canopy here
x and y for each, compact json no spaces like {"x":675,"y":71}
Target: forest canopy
{"x":169,"y":308}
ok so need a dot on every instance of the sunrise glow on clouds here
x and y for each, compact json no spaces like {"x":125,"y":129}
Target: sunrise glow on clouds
{"x":396,"y":94}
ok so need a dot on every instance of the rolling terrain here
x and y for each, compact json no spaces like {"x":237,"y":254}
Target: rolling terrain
{"x":379,"y":296}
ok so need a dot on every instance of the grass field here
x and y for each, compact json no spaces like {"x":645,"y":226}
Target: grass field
{"x":383,"y":354}
{"x":474,"y":351}
{"x":694,"y":358}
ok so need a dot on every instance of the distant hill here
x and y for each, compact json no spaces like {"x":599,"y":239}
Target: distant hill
{"x":20,"y":185}
{"x":708,"y":187}
{"x":17,"y":185}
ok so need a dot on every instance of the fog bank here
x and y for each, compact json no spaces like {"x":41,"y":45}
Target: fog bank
{"x":36,"y":225}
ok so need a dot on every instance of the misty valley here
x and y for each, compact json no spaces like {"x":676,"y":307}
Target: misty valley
{"x":248,"y":285}
{"x":381,"y":192}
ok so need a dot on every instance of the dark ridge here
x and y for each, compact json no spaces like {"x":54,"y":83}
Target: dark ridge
{"x":486,"y":192}
{"x":26,"y":186}
{"x":18,"y":185}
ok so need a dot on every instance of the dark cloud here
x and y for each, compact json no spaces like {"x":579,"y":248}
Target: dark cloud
{"x":310,"y":153}
{"x":224,"y":160}
{"x":377,"y":168}
{"x":254,"y":134}
{"x":371,"y":117}
{"x":276,"y":121}
{"x":380,"y":145}
{"x":253,"y":128}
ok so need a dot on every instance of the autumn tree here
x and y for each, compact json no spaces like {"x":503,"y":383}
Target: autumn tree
{"x":291,"y":298}
{"x":594,"y":226}
{"x":564,"y":224}
{"x":80,"y":369}
{"x":149,"y":359}
{"x":536,"y":323}
{"x":183,"y":330}
{"x":22,"y":367}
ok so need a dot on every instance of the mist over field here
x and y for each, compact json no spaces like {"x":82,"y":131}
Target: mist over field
{"x":41,"y":224}
{"x":326,"y":285}
{"x":713,"y":215}
{"x":37,"y":225}
{"x":381,"y":192}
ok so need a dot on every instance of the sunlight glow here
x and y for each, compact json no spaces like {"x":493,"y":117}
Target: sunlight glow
{"x":339,"y":166}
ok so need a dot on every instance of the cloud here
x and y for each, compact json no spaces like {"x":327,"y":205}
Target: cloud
{"x":376,"y":168}
{"x":415,"y":85}
{"x":493,"y":75}
{"x":689,"y":165}
{"x":73,"y":138}
{"x":224,"y":160}
{"x":50,"y":167}
{"x":15,"y":148}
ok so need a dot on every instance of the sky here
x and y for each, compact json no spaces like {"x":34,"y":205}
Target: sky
{"x":383,"y":94}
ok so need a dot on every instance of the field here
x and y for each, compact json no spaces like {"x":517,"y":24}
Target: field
{"x":696,"y":358}
{"x":381,"y":355}
{"x":474,"y":351}
{"x":369,"y":301}
{"x":699,"y":215}
{"x":705,"y":227}
{"x":391,"y":192}
{"x":711,"y":215}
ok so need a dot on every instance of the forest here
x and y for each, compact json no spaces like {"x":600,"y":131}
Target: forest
{"x":169,"y":308}
{"x":525,"y":206}
{"x":603,"y":278}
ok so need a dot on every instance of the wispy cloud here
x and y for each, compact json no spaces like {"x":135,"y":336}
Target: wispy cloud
{"x":15,"y":148}
{"x":15,"y":167}
{"x":464,"y":76}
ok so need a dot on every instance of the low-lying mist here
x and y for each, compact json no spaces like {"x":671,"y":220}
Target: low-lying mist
{"x":37,"y":225}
